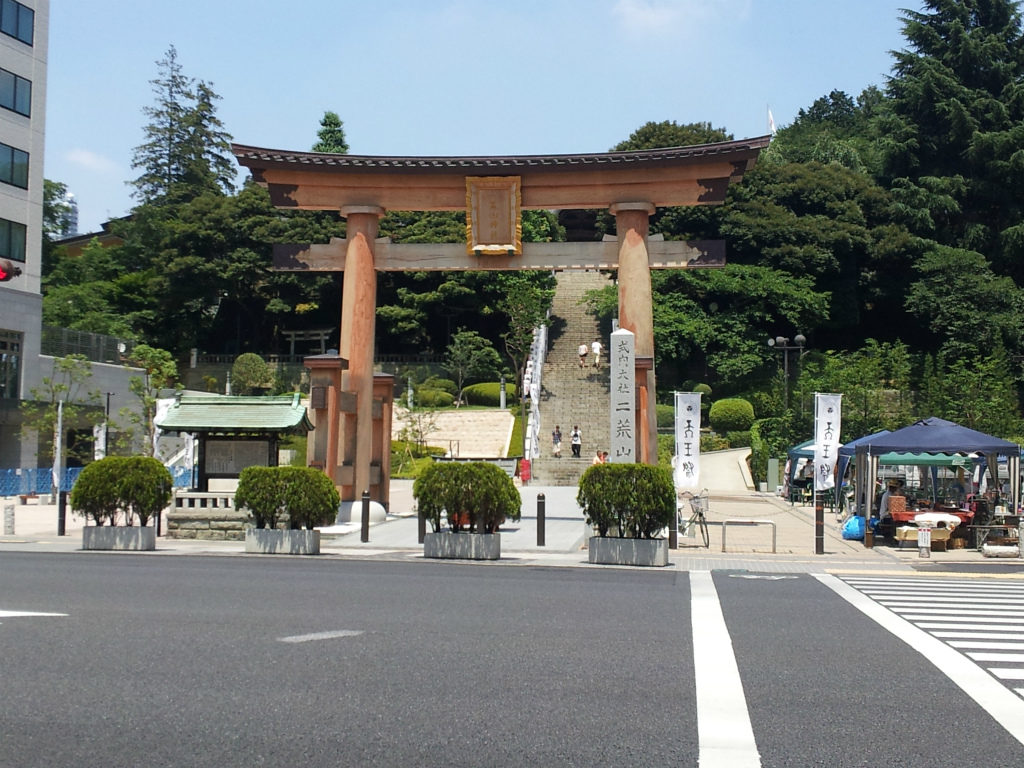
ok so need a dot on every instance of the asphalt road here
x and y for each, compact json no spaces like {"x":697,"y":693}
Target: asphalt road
{"x":221,"y":661}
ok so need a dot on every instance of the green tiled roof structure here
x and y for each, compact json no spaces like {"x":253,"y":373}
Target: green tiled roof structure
{"x":228,"y":414}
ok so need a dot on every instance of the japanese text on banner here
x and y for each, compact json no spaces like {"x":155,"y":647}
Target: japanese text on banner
{"x":686,"y":458}
{"x":827,"y":420}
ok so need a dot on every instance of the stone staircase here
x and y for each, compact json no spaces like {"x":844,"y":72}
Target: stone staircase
{"x":570,"y":395}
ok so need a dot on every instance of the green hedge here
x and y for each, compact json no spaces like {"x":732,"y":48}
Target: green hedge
{"x":666,"y":415}
{"x":128,"y":487}
{"x":731,"y":415}
{"x":637,"y":499}
{"x":305,"y":494}
{"x":475,"y":496}
{"x":436,"y":382}
{"x":488,"y":393}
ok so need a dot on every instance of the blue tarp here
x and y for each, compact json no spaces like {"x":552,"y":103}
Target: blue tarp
{"x":934,"y":435}
{"x":15,"y":482}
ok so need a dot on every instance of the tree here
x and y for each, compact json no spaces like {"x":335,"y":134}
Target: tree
{"x":470,"y":356}
{"x":331,"y":136}
{"x":249,"y":373}
{"x":668,"y":133}
{"x":186,"y":151}
{"x":64,"y":390}
{"x":161,"y":374}
{"x":953,"y":131}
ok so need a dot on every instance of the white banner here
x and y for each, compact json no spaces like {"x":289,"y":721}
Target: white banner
{"x":827,"y":419}
{"x":622,"y":361}
{"x":686,"y":461}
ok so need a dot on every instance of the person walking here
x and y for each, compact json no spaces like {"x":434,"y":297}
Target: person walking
{"x":556,"y":442}
{"x":582,"y":352}
{"x":576,"y":442}
{"x":596,"y":349}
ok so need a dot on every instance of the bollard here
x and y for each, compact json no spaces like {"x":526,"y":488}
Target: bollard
{"x":421,"y":528}
{"x":541,"y":503}
{"x":8,"y":520}
{"x":62,"y":509}
{"x":364,"y":535}
{"x":673,"y":530}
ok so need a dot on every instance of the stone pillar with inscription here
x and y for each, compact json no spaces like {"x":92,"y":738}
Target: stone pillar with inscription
{"x":622,"y":367}
{"x":632,"y":223}
{"x":358,"y":313}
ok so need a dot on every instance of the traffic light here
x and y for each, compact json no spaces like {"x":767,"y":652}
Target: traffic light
{"x":8,"y":270}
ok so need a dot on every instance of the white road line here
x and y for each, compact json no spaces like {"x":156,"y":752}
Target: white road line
{"x":320,"y":636}
{"x":13,"y":614}
{"x":999,"y":701}
{"x":724,"y":732}
{"x":908,"y":598}
{"x":912,"y":583}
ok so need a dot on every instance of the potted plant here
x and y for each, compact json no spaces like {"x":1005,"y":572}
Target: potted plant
{"x":629,"y":505}
{"x":303,"y":495}
{"x":116,"y":491}
{"x":474,"y":498}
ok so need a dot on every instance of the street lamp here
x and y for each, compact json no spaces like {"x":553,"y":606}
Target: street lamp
{"x":781,"y":344}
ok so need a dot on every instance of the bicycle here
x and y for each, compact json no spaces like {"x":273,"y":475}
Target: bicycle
{"x":698,"y":515}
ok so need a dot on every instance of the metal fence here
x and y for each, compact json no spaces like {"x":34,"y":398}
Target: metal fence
{"x":61,"y":342}
{"x":37,"y":481}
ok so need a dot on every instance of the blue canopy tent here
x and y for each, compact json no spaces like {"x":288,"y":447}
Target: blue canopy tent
{"x":937,"y":436}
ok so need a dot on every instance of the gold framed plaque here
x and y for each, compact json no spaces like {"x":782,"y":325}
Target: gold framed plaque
{"x":494,"y":223}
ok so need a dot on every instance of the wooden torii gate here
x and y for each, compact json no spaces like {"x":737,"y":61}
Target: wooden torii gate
{"x":493,"y":190}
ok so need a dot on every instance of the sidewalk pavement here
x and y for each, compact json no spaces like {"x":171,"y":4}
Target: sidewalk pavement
{"x":748,"y":544}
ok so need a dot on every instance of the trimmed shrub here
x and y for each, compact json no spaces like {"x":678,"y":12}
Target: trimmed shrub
{"x":434,"y":398}
{"x":305,"y":494}
{"x":731,"y":414}
{"x":488,"y":394}
{"x":637,"y":499}
{"x":436,"y":382}
{"x":250,"y":373}
{"x":475,"y":496}
{"x":134,"y":486}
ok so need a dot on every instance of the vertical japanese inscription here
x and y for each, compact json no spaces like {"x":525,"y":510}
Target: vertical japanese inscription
{"x":622,"y":364}
{"x":494,"y":215}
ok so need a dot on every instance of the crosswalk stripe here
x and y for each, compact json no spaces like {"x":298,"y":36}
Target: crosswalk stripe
{"x":990,"y":620}
{"x":724,"y":732}
{"x":988,"y":645}
{"x":1009,"y":673}
{"x":907,"y":598}
{"x":1006,"y":658}
{"x":1003,"y":704}
{"x":962,"y":627}
{"x":982,"y":635}
{"x":994,"y":612}
{"x":912,"y":581}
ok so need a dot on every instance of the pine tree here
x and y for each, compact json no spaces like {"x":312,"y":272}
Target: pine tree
{"x":186,"y":151}
{"x":331,"y":135}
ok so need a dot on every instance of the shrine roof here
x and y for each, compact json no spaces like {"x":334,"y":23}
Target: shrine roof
{"x":248,"y":156}
{"x":226,"y":413}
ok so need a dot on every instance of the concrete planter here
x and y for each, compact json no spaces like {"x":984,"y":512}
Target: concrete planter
{"x":615,"y":551}
{"x":462,"y":546}
{"x":273,"y":541}
{"x":135,"y":538}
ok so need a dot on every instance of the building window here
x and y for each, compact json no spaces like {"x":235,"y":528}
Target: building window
{"x":17,"y":20}
{"x":13,"y":166}
{"x":10,"y":364}
{"x":12,"y":240}
{"x":15,"y":93}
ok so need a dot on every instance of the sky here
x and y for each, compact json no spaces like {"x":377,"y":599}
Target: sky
{"x":446,"y":77}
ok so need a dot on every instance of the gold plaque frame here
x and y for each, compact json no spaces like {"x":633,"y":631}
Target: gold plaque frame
{"x":494,"y":222}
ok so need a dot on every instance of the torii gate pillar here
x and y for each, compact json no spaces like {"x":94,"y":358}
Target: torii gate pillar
{"x":358,"y":313}
{"x":632,"y":224}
